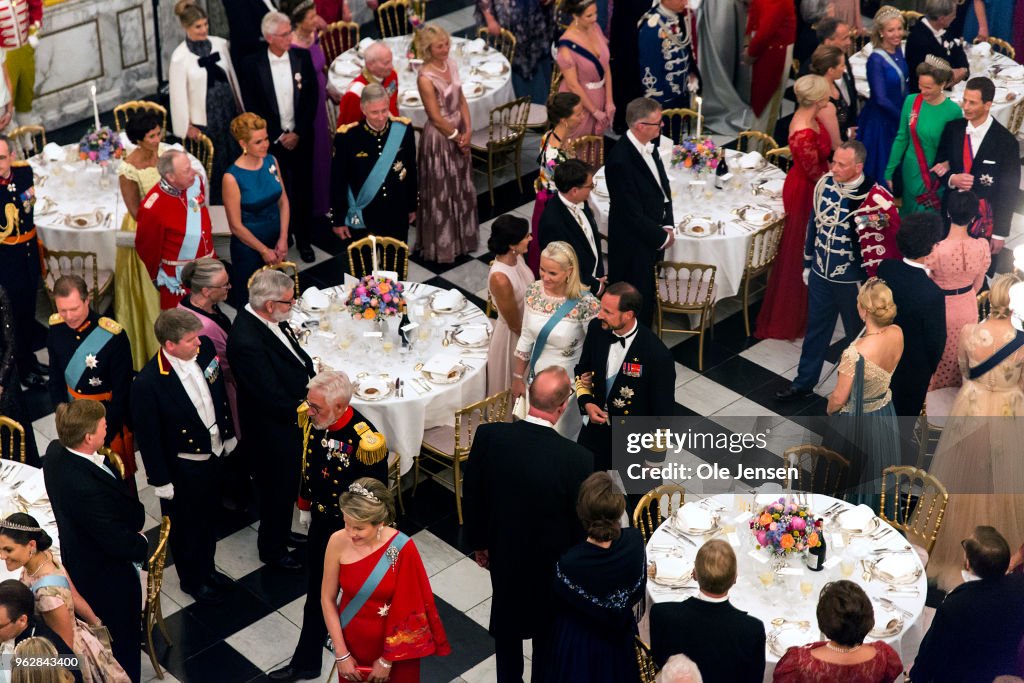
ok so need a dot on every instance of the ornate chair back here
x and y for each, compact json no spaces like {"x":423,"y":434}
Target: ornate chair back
{"x":82,"y":263}
{"x":819,"y":470}
{"x":125,"y":110}
{"x":114,"y":458}
{"x":1016,"y":118}
{"x":338,"y":37}
{"x":504,"y":42}
{"x":1001,"y":46}
{"x":589,"y":149}
{"x":914,"y":502}
{"x":983,"y":305}
{"x":764,"y":247}
{"x":288,"y":268}
{"x":644,"y":660}
{"x":556,"y":79}
{"x":680,"y":124}
{"x":647,"y":516}
{"x":392,"y":254}
{"x":685,"y":289}
{"x":28,"y":140}
{"x":202,"y":148}
{"x":910,"y":17}
{"x":755,"y":140}
{"x":154,"y":615}
{"x":393,"y":17}
{"x":781,"y":157}
{"x":12,"y":439}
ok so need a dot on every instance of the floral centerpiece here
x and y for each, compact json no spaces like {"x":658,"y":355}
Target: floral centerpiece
{"x":416,"y":23}
{"x":100,"y":146}
{"x":376,"y":297}
{"x":785,"y":527}
{"x":696,"y":154}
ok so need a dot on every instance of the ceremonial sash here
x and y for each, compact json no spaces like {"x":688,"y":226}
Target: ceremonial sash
{"x":51,"y":580}
{"x":996,"y":358}
{"x":189,"y":244}
{"x":896,"y":67}
{"x":379,"y":172}
{"x":983,"y":226}
{"x":91,"y":345}
{"x":545,"y":332}
{"x":930,"y":197}
{"x":586,"y":54}
{"x":372,"y":581}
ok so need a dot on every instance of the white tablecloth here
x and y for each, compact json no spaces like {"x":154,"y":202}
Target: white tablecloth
{"x":26,"y":481}
{"x":1002,"y":108}
{"x":749,"y":595}
{"x":727,"y":249}
{"x":403,"y":420}
{"x":497,"y":89}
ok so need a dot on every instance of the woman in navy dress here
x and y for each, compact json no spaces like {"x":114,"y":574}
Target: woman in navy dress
{"x":887,"y":78}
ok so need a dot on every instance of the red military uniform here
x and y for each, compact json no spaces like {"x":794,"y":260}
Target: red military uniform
{"x":771,"y":27}
{"x":348,"y":109}
{"x":174,"y":228}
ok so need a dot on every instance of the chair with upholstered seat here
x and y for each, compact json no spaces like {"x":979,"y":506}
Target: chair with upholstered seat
{"x":755,"y":141}
{"x":341,"y":36}
{"x":154,"y":614}
{"x":764,"y":247}
{"x":84,"y":264}
{"x":914,"y":502}
{"x":392,"y":254}
{"x":782,"y":158}
{"x":449,"y":446}
{"x":645,"y":661}
{"x":202,"y":149}
{"x":12,"y":439}
{"x":286,"y":267}
{"x":685,"y":289}
{"x":819,"y":470}
{"x":502,"y":137}
{"x":126,"y":110}
{"x":648,"y":515}
{"x":681,"y":124}
{"x":538,"y":117}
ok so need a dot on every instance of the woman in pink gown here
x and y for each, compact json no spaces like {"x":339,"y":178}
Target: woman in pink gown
{"x":783,"y":312}
{"x":507,"y":282}
{"x":958,"y":265}
{"x":583,"y":58}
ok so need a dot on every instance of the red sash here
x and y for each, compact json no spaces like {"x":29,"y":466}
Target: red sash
{"x":930,"y":197}
{"x":983,"y":226}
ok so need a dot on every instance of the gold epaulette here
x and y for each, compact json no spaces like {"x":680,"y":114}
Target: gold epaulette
{"x":306,"y":425}
{"x":401,"y":119}
{"x":372,"y":447}
{"x":346,"y":127}
{"x":56,"y":319}
{"x":19,"y":162}
{"x":303,"y":414}
{"x":581,"y":388}
{"x":111,"y":325}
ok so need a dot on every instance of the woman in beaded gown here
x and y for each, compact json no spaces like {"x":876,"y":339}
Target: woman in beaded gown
{"x":446,"y":220}
{"x":978,"y":456}
{"x":506,"y":284}
{"x":958,"y":265}
{"x":887,"y":77}
{"x":783,"y":312}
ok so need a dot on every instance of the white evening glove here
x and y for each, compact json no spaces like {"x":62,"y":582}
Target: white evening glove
{"x":166,"y":491}
{"x":305,"y":517}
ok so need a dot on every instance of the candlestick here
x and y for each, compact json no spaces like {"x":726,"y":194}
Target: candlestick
{"x":373,"y":244}
{"x":95,"y":109}
{"x":700,"y":109}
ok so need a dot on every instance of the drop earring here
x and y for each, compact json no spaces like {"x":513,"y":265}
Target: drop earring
{"x":378,"y":533}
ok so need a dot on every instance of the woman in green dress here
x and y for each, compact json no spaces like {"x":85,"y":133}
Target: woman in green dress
{"x":924,"y":116}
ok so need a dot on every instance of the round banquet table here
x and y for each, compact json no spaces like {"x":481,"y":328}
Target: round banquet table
{"x":26,"y":483}
{"x":1002,"y":108}
{"x":494,"y":90}
{"x":70,"y":189}
{"x":749,"y":595}
{"x":423,"y":405}
{"x":726,"y":249}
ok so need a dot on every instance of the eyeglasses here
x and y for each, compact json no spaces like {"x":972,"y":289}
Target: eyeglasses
{"x":282,"y":35}
{"x":226,"y":285}
{"x":587,"y":187}
{"x":659,"y":124}
{"x":289,"y":303}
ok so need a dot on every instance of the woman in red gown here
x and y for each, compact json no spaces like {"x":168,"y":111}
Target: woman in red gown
{"x":387,"y":618}
{"x":784,"y":309}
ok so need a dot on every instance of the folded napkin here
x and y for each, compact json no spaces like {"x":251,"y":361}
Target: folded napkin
{"x":751,"y":160}
{"x":793,"y":637}
{"x":33,"y":489}
{"x":773,"y":186}
{"x":856,"y":519}
{"x":441,"y":364}
{"x":883,"y":615}
{"x":672,"y":569}
{"x":389,"y":274}
{"x":756,"y":215}
{"x":474,"y":46}
{"x":692,"y":516}
{"x":313,"y":299}
{"x":365,"y":43}
{"x":1013,"y":72}
{"x":472,"y":334}
{"x":345,"y":68}
{"x":981,"y":49}
{"x":53,"y":152}
{"x":448,"y":301}
{"x":492,"y":68}
{"x":897,"y":566}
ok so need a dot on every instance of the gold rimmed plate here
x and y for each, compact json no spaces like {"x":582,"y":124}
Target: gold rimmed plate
{"x":910,"y":577}
{"x":433,"y":306}
{"x":372,"y":389}
{"x":451,"y":378}
{"x":778,"y":644}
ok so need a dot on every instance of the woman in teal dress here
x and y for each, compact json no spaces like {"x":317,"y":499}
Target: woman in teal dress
{"x":256,"y":206}
{"x":924,"y":116}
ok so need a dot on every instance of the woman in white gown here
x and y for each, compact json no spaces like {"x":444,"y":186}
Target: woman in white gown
{"x":555,"y":318}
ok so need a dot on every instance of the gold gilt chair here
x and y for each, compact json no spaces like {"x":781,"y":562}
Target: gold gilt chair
{"x":645,"y":662}
{"x":781,"y":157}
{"x":755,"y":140}
{"x":1016,"y":117}
{"x":589,"y":149}
{"x":680,"y":124}
{"x":286,"y":267}
{"x":202,"y":148}
{"x":538,"y":118}
{"x":393,"y":17}
{"x":154,"y":614}
{"x":504,"y":136}
{"x":910,"y":17}
{"x":999,"y":45}
{"x":926,"y":435}
{"x":12,"y":439}
{"x":819,"y":470}
{"x":504,"y":42}
{"x":449,"y":446}
{"x":125,"y":110}
{"x":914,"y":502}
{"x":395,"y":482}
{"x":84,"y":264}
{"x":647,"y":515}
{"x":28,"y":140}
{"x":860,"y":40}
{"x":686,"y":289}
{"x":983,"y":305}
{"x":114,"y":459}
{"x":392,"y":254}
{"x":764,"y":247}
{"x":338,"y":37}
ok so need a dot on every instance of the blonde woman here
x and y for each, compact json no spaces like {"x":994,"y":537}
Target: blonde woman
{"x":555,"y":318}
{"x":38,"y":648}
{"x":887,"y":77}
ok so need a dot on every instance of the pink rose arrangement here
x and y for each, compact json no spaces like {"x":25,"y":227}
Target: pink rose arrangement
{"x":376,"y":296}
{"x":784,"y":527}
{"x":695,"y":154}
{"x":100,"y":146}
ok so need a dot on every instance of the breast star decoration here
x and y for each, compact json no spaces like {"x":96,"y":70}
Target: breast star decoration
{"x":91,"y":361}
{"x":618,"y":403}
{"x":626,"y":392}
{"x":383,"y":611}
{"x":986,"y":180}
{"x":95,"y":381}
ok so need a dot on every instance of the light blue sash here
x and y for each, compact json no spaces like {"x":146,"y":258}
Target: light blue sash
{"x":51,"y":580}
{"x":92,"y":344}
{"x":545,"y":332}
{"x":190,"y":244}
{"x":373,"y":580}
{"x":379,"y":172}
{"x":896,"y":67}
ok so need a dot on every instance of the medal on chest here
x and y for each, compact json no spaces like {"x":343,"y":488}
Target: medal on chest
{"x":337,"y":450}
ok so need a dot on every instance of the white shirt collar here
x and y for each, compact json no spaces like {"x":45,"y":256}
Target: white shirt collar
{"x":259,"y":317}
{"x":853,"y":184}
{"x":701,"y":595}
{"x":667,"y":12}
{"x":938,"y":33}
{"x":179,"y":365}
{"x":533,"y":419}
{"x":917,"y":265}
{"x":641,"y":147}
{"x":578,"y":207}
{"x":95,"y":458}
{"x":981,"y":130}
{"x":631,"y":331}
{"x":274,"y":58}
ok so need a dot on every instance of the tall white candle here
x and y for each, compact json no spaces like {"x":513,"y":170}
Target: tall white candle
{"x":700,"y":115}
{"x":373,"y":243}
{"x":95,"y":109}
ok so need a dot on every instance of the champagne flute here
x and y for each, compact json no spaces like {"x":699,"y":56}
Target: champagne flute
{"x":846,"y":566}
{"x":806,"y":588}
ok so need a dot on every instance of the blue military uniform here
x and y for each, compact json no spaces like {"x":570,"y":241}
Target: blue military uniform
{"x":667,"y":55}
{"x":20,"y":270}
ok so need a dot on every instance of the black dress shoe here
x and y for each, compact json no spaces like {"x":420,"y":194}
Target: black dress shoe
{"x":220,"y":580}
{"x":290,"y":673}
{"x":792,"y":393}
{"x":295,"y":540}
{"x":206,"y":594}
{"x":286,"y":564}
{"x":34,"y":379}
{"x":306,"y":253}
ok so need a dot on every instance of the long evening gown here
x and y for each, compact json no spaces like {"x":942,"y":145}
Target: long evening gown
{"x":931,"y":121}
{"x":1000,"y":20}
{"x":322,"y":138}
{"x":564,"y":344}
{"x":957,"y":263}
{"x":590,"y":69}
{"x":880,"y":117}
{"x":978,"y":458}
{"x":136,"y":300}
{"x":783,"y":312}
{"x":548,"y":159}
{"x":504,"y":340}
{"x":221,"y":109}
{"x":260,"y":191}
{"x":594,"y":594}
{"x":448,"y":224}
{"x":798,"y":665}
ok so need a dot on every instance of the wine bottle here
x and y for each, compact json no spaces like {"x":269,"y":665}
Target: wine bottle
{"x":816,"y":556}
{"x":721,"y":170}
{"x":401,"y":327}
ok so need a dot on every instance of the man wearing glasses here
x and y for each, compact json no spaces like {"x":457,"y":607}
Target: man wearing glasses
{"x":272,"y":371}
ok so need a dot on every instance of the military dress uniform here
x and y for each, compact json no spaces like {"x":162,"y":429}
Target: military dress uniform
{"x":94,"y":361}
{"x":349,"y":109}
{"x":356,"y":150}
{"x":331,"y":460}
{"x":668,"y":55}
{"x":20,"y":270}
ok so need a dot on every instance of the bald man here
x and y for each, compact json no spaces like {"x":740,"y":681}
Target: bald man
{"x":379,"y":69}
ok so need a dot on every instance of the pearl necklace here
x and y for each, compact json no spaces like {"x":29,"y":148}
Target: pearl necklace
{"x":840,"y":649}
{"x":439,"y":69}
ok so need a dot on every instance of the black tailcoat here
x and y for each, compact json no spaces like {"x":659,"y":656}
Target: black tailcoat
{"x":558,"y":224}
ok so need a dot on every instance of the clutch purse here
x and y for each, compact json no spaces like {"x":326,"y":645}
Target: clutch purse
{"x":519,"y":408}
{"x":363,"y":671}
{"x":102,"y":634}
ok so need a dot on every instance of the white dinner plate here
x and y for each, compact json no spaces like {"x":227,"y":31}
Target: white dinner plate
{"x":372,"y":388}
